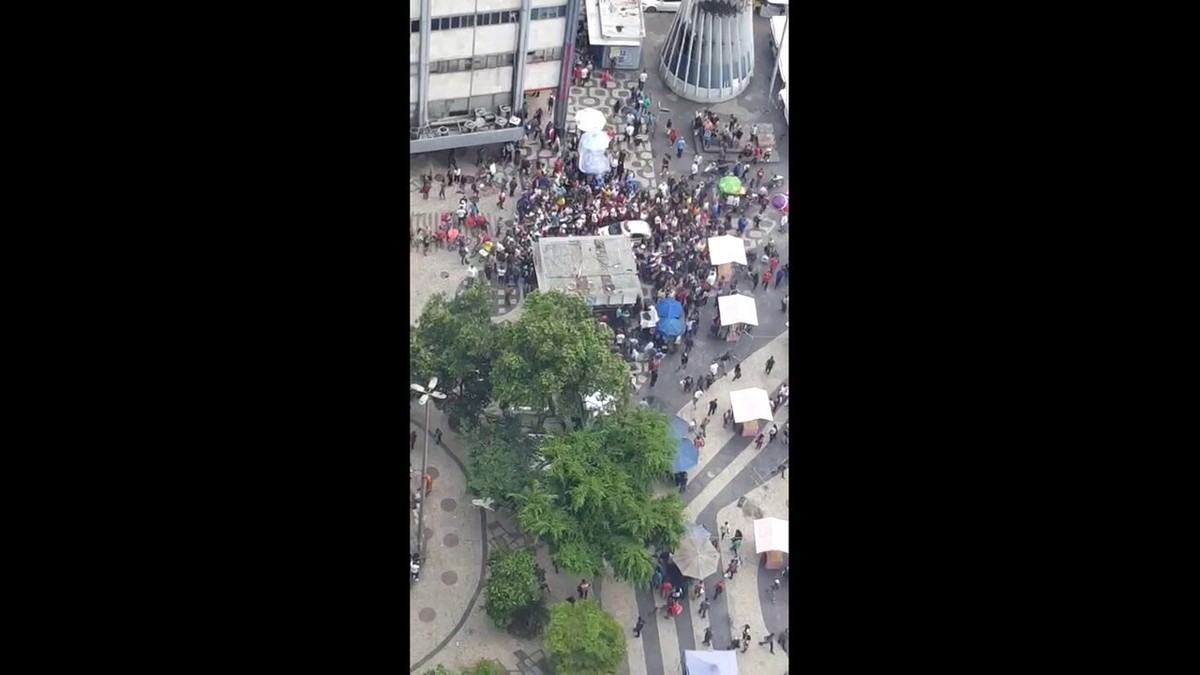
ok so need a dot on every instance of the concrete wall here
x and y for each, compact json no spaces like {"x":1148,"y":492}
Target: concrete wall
{"x":547,"y":33}
{"x":542,"y":75}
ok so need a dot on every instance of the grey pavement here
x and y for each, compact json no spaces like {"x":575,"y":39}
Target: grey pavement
{"x":456,"y":549}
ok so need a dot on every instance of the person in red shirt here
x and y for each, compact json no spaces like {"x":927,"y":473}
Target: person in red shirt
{"x":774,"y":263}
{"x":766,"y":279}
{"x":666,"y":589}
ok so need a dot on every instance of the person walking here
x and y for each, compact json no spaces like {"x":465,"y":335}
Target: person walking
{"x":727,"y":419}
{"x":637,"y":630}
{"x":771,"y":434}
{"x":724,"y":530}
{"x":683,"y":361}
{"x":783,"y":304}
{"x":697,"y":396}
{"x":730,"y":570}
{"x":680,"y":146}
{"x":766,"y":281}
{"x":428,"y":484}
{"x":712,"y":407}
{"x":769,"y":639}
{"x":758,"y":442}
{"x":442,"y":191}
{"x":704,"y":605}
{"x":753,"y":282}
{"x":656,"y":580}
{"x":666,"y":164}
{"x":770,"y":364}
{"x":437,"y":436}
{"x":718,"y":589}
{"x":412,"y":441}
{"x":698,"y":590}
{"x":737,"y":372}
{"x":666,"y":589}
{"x":584,"y":589}
{"x":707,"y":635}
{"x":653,"y":378}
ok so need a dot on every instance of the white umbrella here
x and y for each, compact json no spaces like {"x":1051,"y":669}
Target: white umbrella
{"x":589,"y":119}
{"x":594,"y":141}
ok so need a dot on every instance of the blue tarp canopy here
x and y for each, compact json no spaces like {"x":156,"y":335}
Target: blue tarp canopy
{"x":723,"y":662}
{"x":670,"y":318}
{"x":687,"y":454}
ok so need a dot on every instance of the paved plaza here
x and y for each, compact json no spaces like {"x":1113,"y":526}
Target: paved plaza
{"x":448,"y":622}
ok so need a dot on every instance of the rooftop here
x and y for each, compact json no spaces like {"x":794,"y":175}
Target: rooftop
{"x":615,"y":19}
{"x":602,"y":270}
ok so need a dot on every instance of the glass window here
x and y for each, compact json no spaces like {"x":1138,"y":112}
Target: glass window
{"x":479,"y":62}
{"x":469,"y":21}
{"x":416,"y":27}
{"x":484,"y":20}
{"x":454,"y":22}
{"x":496,"y":18}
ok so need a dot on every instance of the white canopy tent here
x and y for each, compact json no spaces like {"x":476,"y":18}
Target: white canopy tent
{"x":737,"y":309}
{"x":750,"y":406}
{"x":770,"y":534}
{"x":716,"y":662}
{"x":726,"y":249}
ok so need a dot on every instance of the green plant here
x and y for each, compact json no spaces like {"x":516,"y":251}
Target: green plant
{"x":511,"y":586}
{"x":584,"y":640}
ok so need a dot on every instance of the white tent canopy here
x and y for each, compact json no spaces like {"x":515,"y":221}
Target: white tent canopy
{"x":770,"y":534}
{"x":726,"y":249}
{"x":717,"y":662}
{"x":737,"y":309}
{"x":750,"y":404}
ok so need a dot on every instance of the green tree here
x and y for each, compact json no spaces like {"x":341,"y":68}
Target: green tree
{"x":439,"y":670}
{"x":500,"y":461}
{"x":486,"y":667}
{"x":584,"y":640}
{"x":512,"y":585}
{"x":455,"y":341}
{"x":594,"y":503}
{"x":555,"y":355}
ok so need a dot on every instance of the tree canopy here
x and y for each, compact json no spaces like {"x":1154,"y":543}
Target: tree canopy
{"x":455,"y":341}
{"x":584,"y":640}
{"x":500,"y":459}
{"x":555,"y":354}
{"x":595,"y":504}
{"x":512,"y":585}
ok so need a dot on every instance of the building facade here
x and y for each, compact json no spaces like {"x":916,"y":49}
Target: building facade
{"x":483,"y":56}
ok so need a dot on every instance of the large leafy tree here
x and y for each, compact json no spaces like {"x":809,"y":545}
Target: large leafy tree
{"x":512,"y":585}
{"x":455,"y":341}
{"x":584,"y":640}
{"x":594,"y":503}
{"x":501,"y":460}
{"x":554,"y":355}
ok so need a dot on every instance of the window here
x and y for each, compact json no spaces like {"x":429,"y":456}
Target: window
{"x":542,"y":55}
{"x":540,"y":13}
{"x":416,"y":26}
{"x":455,"y":22}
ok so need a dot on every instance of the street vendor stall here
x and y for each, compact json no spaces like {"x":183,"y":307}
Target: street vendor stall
{"x":750,"y":406}
{"x":737,"y":312}
{"x":723,"y":252}
{"x":771,"y":541}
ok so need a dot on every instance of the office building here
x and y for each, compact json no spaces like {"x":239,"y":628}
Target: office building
{"x":468,"y":57}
